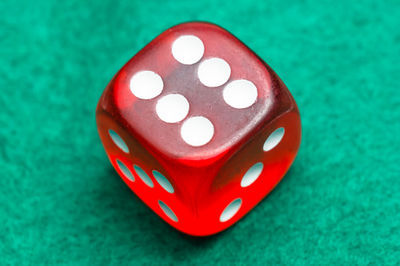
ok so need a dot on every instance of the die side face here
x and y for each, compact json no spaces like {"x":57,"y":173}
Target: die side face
{"x":252,"y":172}
{"x":143,"y":173}
{"x":186,"y":124}
{"x":195,"y":92}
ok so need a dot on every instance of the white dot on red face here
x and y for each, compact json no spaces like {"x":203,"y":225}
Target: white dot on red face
{"x":118,"y":141}
{"x":187,"y":49}
{"x":163,"y":181}
{"x":197,"y":131}
{"x":214,"y":72}
{"x":274,"y":139}
{"x":146,"y":84}
{"x":172,"y":108}
{"x":230,"y":210}
{"x":125,"y":171}
{"x":240,"y":93}
{"x":143,"y":176}
{"x":167,"y":210}
{"x":251,"y":175}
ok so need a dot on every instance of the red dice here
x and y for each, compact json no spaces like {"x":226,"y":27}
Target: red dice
{"x":199,"y":127}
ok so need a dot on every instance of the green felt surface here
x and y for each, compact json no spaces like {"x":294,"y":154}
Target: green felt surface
{"x":62,"y":203}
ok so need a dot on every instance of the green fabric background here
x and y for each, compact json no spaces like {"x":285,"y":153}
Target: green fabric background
{"x":62,"y":203}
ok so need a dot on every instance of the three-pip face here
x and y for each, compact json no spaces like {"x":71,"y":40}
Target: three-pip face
{"x":199,"y":127}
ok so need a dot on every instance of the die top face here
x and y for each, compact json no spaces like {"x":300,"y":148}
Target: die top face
{"x":196,"y":91}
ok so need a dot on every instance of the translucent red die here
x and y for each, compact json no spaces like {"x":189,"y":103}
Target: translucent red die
{"x":199,"y":127}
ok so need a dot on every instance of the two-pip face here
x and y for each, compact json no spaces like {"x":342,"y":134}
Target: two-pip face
{"x":199,"y":127}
